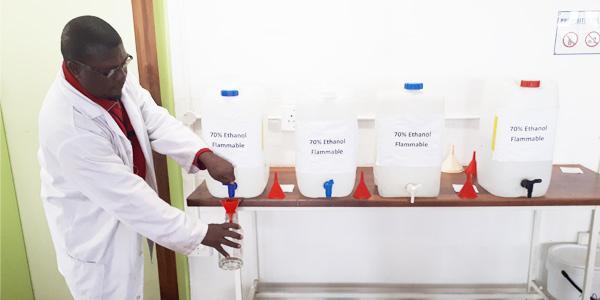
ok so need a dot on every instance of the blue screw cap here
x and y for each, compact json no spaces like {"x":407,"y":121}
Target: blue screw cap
{"x":229,"y":93}
{"x":413,"y":86}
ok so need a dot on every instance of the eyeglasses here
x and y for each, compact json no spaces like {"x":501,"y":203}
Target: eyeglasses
{"x":111,"y":72}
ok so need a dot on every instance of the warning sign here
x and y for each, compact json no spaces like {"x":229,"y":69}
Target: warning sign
{"x":592,"y":39}
{"x":577,"y":32}
{"x":570,"y":39}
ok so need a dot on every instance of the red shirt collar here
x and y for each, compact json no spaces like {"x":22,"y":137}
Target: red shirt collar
{"x":105,"y":103}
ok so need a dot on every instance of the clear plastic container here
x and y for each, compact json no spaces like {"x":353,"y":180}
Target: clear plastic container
{"x":326,"y":141}
{"x":235,"y":260}
{"x":409,"y":126}
{"x":232,"y":125}
{"x":517,"y":132}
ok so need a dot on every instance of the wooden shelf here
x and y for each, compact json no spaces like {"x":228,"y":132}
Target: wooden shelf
{"x":565,"y":190}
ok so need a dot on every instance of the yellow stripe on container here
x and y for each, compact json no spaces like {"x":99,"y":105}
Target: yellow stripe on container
{"x":494,"y":133}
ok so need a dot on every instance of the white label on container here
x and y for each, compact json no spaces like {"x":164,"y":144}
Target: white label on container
{"x":410,"y":140}
{"x":236,"y":140}
{"x":326,"y":146}
{"x":524,"y":135}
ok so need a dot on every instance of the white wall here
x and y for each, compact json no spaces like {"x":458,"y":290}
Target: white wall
{"x":288,"y":47}
{"x":30,"y":59}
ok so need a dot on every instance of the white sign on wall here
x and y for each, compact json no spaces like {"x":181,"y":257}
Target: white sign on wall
{"x":577,"y":32}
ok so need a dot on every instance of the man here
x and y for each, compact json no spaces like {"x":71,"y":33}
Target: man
{"x":98,"y":128}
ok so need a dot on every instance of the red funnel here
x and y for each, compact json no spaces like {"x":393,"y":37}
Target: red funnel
{"x":230,"y":206}
{"x":472,"y":167}
{"x":467,"y":191}
{"x":362,"y":192}
{"x":276,"y":192}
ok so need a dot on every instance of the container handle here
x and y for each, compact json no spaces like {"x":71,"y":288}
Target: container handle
{"x":593,"y":297}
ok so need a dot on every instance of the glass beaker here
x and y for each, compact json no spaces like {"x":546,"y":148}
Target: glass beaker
{"x":234,"y":261}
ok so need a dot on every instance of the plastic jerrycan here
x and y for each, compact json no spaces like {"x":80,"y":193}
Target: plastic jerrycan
{"x":326,"y":142}
{"x":516,"y":138}
{"x":409,"y":128}
{"x":232,"y":125}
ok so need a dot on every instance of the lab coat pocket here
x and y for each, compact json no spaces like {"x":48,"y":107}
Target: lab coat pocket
{"x":85,"y":279}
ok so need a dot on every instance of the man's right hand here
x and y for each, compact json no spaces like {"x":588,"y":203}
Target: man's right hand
{"x":218,"y":168}
{"x":216,"y":237}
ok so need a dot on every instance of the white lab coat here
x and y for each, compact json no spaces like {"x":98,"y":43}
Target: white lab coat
{"x":97,"y":209}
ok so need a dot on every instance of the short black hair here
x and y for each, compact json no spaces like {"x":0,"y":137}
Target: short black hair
{"x":87,"y":36}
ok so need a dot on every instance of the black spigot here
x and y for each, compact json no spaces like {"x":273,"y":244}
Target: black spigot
{"x":528,"y":184}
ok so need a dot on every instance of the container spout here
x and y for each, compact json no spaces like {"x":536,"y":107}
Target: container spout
{"x":528,"y":184}
{"x":230,"y":204}
{"x":412,"y":188}
{"x":328,"y":186}
{"x":231,"y":187}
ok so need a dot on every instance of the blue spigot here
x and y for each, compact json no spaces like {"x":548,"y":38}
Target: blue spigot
{"x":231,"y":187}
{"x":328,"y":186}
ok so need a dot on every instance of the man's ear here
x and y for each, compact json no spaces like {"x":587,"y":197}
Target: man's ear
{"x":74,"y":68}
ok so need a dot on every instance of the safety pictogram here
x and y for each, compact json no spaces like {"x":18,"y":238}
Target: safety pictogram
{"x":570,"y":39}
{"x":592,"y":39}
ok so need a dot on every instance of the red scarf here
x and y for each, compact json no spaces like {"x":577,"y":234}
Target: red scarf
{"x":119,"y":114}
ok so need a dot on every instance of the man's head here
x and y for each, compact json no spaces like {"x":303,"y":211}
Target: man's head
{"x":94,"y":53}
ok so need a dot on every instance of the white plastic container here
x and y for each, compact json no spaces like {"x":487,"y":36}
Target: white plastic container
{"x":326,"y":142}
{"x":571,"y":259}
{"x":409,"y":126}
{"x":232,"y":125}
{"x":517,"y":132}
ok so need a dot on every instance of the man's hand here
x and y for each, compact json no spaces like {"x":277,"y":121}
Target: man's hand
{"x":218,"y":168}
{"x":216,"y":236}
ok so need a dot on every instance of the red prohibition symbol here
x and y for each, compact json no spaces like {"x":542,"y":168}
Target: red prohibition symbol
{"x":570,"y":39}
{"x":592,"y":39}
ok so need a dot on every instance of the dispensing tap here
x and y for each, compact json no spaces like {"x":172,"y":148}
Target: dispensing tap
{"x":230,"y":204}
{"x":231,"y":187}
{"x":328,"y":186}
{"x":411,"y":188}
{"x":528,"y":184}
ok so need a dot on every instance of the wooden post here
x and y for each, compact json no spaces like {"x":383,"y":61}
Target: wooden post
{"x":145,"y":42}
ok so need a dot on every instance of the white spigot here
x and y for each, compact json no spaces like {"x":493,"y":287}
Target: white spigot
{"x":411,"y":188}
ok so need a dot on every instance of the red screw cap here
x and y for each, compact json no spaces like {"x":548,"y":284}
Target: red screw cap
{"x":530,"y":83}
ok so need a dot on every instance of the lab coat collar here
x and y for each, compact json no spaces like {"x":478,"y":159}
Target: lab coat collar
{"x":87,"y":106}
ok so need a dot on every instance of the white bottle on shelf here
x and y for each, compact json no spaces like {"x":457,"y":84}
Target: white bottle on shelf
{"x":517,"y":133}
{"x":409,"y":127}
{"x":232,"y":125}
{"x":326,"y":137}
